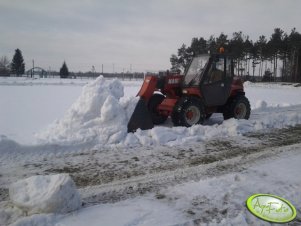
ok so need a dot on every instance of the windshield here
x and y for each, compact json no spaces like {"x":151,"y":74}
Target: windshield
{"x":193,"y":74}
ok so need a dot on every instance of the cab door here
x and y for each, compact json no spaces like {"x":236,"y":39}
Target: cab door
{"x":216,"y":83}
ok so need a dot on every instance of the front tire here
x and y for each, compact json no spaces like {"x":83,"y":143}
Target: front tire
{"x":188,"y":111}
{"x":238,"y":108}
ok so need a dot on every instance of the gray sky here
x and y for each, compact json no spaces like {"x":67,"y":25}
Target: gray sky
{"x":141,"y":33}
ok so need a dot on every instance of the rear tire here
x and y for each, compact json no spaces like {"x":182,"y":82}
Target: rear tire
{"x":238,"y":108}
{"x":188,"y":111}
{"x":153,"y":103}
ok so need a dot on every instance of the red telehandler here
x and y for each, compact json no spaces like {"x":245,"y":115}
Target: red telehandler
{"x":208,"y":86}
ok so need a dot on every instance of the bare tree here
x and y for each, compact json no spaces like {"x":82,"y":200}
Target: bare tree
{"x":4,"y":66}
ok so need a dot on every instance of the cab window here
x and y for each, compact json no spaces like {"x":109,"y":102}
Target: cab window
{"x":228,"y":68}
{"x":216,"y":71}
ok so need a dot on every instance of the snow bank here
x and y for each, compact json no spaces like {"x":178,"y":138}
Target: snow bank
{"x":45,"y":194}
{"x":232,"y":127}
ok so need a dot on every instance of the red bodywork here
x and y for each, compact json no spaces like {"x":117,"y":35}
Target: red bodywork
{"x":236,"y":86}
{"x":172,"y":89}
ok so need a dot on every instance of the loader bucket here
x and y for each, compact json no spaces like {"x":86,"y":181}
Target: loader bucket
{"x":141,"y":118}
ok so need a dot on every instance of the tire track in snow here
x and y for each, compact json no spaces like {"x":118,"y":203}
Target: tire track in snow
{"x":218,"y":157}
{"x":129,"y":188}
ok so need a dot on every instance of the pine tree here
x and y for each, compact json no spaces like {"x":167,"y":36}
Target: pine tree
{"x":184,"y":57}
{"x":175,"y":66}
{"x":64,"y":71}
{"x":222,"y":41}
{"x":261,"y":50}
{"x":211,"y":43}
{"x":236,"y":48}
{"x":18,"y":65}
{"x":275,"y":44}
{"x":294,"y":45}
{"x":198,"y":46}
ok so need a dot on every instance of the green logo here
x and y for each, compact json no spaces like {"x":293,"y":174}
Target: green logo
{"x":271,"y":208}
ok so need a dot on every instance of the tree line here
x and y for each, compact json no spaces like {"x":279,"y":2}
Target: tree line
{"x":17,"y":66}
{"x":277,"y":57}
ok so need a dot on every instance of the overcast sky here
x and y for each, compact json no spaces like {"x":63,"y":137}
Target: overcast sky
{"x":141,"y":33}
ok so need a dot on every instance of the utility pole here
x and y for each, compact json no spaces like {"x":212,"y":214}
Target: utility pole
{"x":49,"y":72}
{"x":131,"y":71}
{"x":93,"y":71}
{"x":102,"y":69}
{"x":32,"y":68}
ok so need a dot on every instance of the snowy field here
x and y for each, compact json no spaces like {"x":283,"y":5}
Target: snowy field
{"x":51,"y":125}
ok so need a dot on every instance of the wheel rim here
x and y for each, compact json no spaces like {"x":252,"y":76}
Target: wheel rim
{"x":240,"y":111}
{"x":192,"y":115}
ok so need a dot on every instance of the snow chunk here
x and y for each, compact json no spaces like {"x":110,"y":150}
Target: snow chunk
{"x":261,"y":104}
{"x":45,"y":194}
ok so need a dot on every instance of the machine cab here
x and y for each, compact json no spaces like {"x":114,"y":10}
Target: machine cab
{"x":213,"y":74}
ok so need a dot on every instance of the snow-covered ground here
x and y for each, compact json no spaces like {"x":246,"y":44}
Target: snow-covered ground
{"x":53,"y":125}
{"x":211,"y":201}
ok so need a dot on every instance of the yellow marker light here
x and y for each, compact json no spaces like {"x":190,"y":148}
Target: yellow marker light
{"x":221,"y":50}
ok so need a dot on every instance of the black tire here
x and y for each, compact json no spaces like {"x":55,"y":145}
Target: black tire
{"x":153,"y":103}
{"x":238,"y":108}
{"x":188,"y":111}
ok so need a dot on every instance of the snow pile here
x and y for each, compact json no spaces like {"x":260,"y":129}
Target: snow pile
{"x":45,"y":194}
{"x":98,"y":115}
